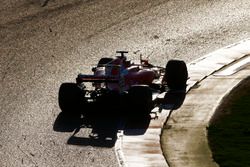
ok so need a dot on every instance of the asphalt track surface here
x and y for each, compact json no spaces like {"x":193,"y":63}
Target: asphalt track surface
{"x":43,"y":47}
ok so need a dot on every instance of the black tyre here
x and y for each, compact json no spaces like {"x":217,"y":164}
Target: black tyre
{"x":71,"y":98}
{"x":104,"y":61}
{"x":176,"y":74}
{"x":140,"y":98}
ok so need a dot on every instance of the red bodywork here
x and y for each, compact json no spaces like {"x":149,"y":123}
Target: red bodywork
{"x":120,"y":74}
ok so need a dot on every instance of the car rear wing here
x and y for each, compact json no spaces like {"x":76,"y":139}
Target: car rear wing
{"x":98,"y":79}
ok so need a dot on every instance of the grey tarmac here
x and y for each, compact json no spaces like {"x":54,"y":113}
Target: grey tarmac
{"x":42,"y":47}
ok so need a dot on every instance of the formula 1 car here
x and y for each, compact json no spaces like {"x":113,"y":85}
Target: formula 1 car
{"x":119,"y":80}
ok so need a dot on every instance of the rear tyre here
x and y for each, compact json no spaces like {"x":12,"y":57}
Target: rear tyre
{"x":140,"y":98}
{"x":176,"y":74}
{"x":71,"y":98}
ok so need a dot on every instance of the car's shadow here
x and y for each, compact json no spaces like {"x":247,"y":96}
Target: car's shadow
{"x":173,"y":99}
{"x":98,"y":123}
{"x":103,"y":132}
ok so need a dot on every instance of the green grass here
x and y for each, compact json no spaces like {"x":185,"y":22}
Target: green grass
{"x":229,"y":137}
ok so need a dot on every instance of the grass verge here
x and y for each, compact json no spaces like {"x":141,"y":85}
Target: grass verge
{"x":229,"y":131}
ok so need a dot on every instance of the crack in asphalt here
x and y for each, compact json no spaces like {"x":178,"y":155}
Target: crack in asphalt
{"x":44,"y":3}
{"x":119,"y":22}
{"x":28,"y":156}
{"x":41,"y":14}
{"x":57,"y":11}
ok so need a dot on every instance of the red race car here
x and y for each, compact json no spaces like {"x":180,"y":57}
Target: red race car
{"x":127,"y":81}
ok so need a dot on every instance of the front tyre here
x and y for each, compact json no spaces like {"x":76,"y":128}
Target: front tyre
{"x":176,"y":74}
